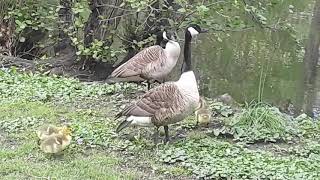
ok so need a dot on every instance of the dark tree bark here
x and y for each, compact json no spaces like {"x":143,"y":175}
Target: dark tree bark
{"x":9,"y":61}
{"x":100,"y":29}
{"x":28,"y":49}
{"x":65,"y":52}
{"x":65,"y":16}
{"x":152,"y":25}
{"x":311,"y":59}
{"x":6,"y":30}
{"x":97,"y":28}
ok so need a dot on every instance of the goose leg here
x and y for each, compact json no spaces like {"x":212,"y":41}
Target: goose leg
{"x":166,"y":132}
{"x":149,"y":85}
{"x":156,"y":135}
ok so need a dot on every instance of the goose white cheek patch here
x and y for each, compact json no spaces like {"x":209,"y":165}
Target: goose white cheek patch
{"x":193,"y":32}
{"x":164,"y":35}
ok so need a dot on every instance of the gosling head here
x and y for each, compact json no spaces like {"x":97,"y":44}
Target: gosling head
{"x":65,"y":130}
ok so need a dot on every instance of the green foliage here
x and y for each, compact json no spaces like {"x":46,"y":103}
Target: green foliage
{"x":258,"y":122}
{"x":5,"y":5}
{"x":137,"y":4}
{"x":20,"y":116}
{"x":94,"y":141}
{"x":37,"y":87}
{"x":81,"y":11}
{"x":308,"y":149}
{"x":308,"y":128}
{"x":98,"y":132}
{"x":31,"y":16}
{"x":211,"y":159}
{"x":143,"y":16}
{"x":36,"y":15}
{"x":19,"y":124}
{"x":222,"y":109}
{"x":263,"y":123}
{"x":33,"y":97}
{"x":97,"y":50}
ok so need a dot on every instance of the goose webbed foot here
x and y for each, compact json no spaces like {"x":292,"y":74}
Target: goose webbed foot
{"x":166,"y":131}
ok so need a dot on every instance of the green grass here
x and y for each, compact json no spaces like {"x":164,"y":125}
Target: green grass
{"x":28,"y":162}
{"x":259,"y":122}
{"x":29,"y":100}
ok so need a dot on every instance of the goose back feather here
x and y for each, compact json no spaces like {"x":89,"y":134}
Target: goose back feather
{"x":151,"y":63}
{"x":136,"y":64}
{"x":167,"y":103}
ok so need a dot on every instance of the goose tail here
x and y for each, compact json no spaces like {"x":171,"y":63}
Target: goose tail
{"x":123,"y":125}
{"x":117,"y":116}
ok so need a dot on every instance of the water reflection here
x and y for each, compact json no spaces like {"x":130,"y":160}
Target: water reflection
{"x":250,"y":63}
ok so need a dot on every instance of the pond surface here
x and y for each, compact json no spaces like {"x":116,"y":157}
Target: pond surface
{"x":256,"y":64}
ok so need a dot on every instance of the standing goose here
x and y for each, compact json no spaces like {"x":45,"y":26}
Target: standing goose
{"x":153,"y":63}
{"x":169,"y":102}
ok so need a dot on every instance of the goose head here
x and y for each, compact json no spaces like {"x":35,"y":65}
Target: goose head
{"x":169,"y":35}
{"x":170,"y":45}
{"x":163,"y":37}
{"x":193,"y":30}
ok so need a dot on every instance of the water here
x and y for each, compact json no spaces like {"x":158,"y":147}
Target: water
{"x":256,"y":61}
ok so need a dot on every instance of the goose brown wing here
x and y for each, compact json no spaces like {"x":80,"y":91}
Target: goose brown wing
{"x":161,"y":102}
{"x":138,"y":63}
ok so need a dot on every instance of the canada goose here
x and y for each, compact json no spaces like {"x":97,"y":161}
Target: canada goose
{"x":55,"y":143}
{"x":203,"y":114}
{"x":169,"y":102}
{"x":153,"y":63}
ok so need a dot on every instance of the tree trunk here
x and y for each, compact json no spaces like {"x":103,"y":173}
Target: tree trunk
{"x":9,"y":61}
{"x":96,"y":28}
{"x":152,"y":25}
{"x":311,"y":59}
{"x":64,"y":51}
{"x":65,"y":17}
{"x":100,"y":29}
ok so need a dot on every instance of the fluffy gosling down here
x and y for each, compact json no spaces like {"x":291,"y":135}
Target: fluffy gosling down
{"x":47,"y":130}
{"x":54,"y":139}
{"x":203,"y":114}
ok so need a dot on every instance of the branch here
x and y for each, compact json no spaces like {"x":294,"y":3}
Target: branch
{"x":194,"y":11}
{"x":113,"y":6}
{"x":8,"y":61}
{"x":116,"y":17}
{"x":257,"y":21}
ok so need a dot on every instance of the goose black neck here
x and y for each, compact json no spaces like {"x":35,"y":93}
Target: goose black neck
{"x":159,"y":39}
{"x":187,"y":53}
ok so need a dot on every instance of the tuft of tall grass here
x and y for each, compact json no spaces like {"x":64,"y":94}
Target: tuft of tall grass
{"x":258,"y":122}
{"x":6,"y":5}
